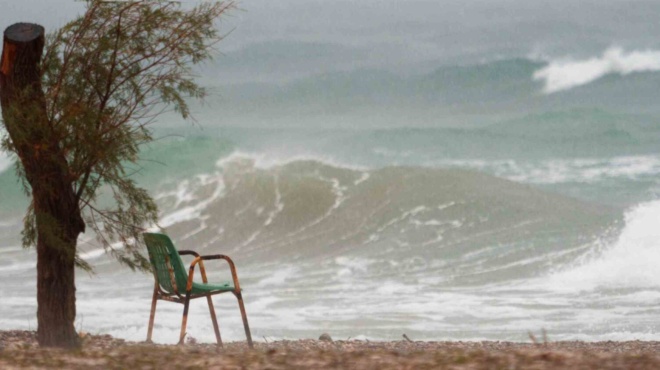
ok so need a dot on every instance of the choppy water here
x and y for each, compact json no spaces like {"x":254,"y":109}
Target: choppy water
{"x":544,"y":221}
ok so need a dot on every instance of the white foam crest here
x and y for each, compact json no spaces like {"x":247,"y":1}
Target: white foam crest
{"x":405,"y":215}
{"x":352,"y":265}
{"x":278,"y":277}
{"x":193,"y":212}
{"x":182,"y":193}
{"x":556,"y":171}
{"x":446,"y":205}
{"x":566,"y":73}
{"x":632,"y":262}
{"x":365,"y":176}
{"x":279,"y":206}
{"x":585,"y":170}
{"x":271,"y":159}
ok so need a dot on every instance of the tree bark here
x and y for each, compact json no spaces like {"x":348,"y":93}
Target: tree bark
{"x":58,"y":217}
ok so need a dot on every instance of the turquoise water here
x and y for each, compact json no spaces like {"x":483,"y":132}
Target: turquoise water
{"x":518,"y":211}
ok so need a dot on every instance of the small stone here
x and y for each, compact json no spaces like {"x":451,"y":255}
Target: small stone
{"x":325,"y":337}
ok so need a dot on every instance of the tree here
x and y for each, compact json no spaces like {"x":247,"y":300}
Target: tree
{"x":77,"y":105}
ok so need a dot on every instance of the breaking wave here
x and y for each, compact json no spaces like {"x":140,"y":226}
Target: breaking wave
{"x":425,"y":218}
{"x":565,"y":74}
{"x":631,"y":262}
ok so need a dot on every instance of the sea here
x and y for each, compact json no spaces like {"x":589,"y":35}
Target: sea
{"x":494,"y":200}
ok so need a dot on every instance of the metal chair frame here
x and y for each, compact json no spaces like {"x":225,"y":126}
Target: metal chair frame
{"x":177,"y":297}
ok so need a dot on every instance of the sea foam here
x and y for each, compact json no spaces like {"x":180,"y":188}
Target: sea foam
{"x":561,"y":170}
{"x":566,"y":73}
{"x":631,"y":262}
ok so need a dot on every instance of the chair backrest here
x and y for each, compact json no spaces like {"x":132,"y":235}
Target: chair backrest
{"x":164,"y":257}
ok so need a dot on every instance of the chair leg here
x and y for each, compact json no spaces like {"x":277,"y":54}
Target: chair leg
{"x":152,"y":316}
{"x":239,"y":296}
{"x":215,"y":321}
{"x":184,"y":321}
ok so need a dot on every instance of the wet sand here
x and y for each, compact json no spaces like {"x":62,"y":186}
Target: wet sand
{"x":18,"y":349}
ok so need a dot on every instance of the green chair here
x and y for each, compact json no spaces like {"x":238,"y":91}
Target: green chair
{"x":175,"y":285}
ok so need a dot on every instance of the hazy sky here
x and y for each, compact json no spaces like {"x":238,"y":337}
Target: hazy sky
{"x":279,"y":41}
{"x":274,"y":40}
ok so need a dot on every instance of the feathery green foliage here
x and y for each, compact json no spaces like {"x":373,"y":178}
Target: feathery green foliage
{"x":106,"y":77}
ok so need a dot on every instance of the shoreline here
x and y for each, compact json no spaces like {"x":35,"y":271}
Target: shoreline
{"x":18,"y":349}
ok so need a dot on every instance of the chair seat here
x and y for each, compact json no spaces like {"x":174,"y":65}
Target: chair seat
{"x":170,"y":276}
{"x":199,"y":288}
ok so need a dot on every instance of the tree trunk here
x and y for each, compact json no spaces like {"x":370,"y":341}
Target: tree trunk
{"x":58,"y":216}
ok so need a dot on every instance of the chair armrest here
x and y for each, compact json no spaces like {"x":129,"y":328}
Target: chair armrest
{"x":200,"y":260}
{"x":202,"y":270}
{"x":185,"y":252}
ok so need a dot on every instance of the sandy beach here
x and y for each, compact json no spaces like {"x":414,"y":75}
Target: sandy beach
{"x":18,"y":349}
